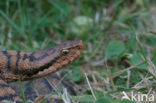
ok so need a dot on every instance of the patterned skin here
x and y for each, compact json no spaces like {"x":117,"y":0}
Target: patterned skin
{"x":15,"y":64}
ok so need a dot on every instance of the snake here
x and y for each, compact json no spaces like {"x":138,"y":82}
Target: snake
{"x":32,"y":65}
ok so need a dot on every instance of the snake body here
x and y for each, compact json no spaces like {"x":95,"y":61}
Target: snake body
{"x":15,"y":64}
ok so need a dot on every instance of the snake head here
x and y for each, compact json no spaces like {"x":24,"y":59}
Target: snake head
{"x":59,"y":56}
{"x":71,"y":50}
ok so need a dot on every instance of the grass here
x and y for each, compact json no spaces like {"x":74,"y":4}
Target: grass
{"x":118,"y":35}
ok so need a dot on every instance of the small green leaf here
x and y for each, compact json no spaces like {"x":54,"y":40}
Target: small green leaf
{"x":136,"y":59}
{"x":151,"y":40}
{"x":76,"y":75}
{"x":131,"y":44}
{"x":115,"y":48}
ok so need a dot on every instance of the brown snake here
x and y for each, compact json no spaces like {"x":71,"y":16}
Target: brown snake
{"x":15,"y":64}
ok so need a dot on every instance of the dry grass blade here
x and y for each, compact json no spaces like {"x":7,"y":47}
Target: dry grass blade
{"x":90,"y":86}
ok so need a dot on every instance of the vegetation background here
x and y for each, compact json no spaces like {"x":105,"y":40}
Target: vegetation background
{"x":119,"y":38}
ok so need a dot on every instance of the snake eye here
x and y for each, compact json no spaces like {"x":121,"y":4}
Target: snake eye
{"x":65,"y":51}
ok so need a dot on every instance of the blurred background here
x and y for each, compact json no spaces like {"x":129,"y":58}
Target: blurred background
{"x":119,"y":38}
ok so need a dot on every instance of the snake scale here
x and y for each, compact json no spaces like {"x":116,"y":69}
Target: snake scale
{"x":15,"y":64}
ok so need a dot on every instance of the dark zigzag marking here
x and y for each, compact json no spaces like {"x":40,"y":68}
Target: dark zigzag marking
{"x":25,"y":56}
{"x":33,"y":71}
{"x":33,"y":58}
{"x":8,"y":56}
{"x":18,"y":58}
